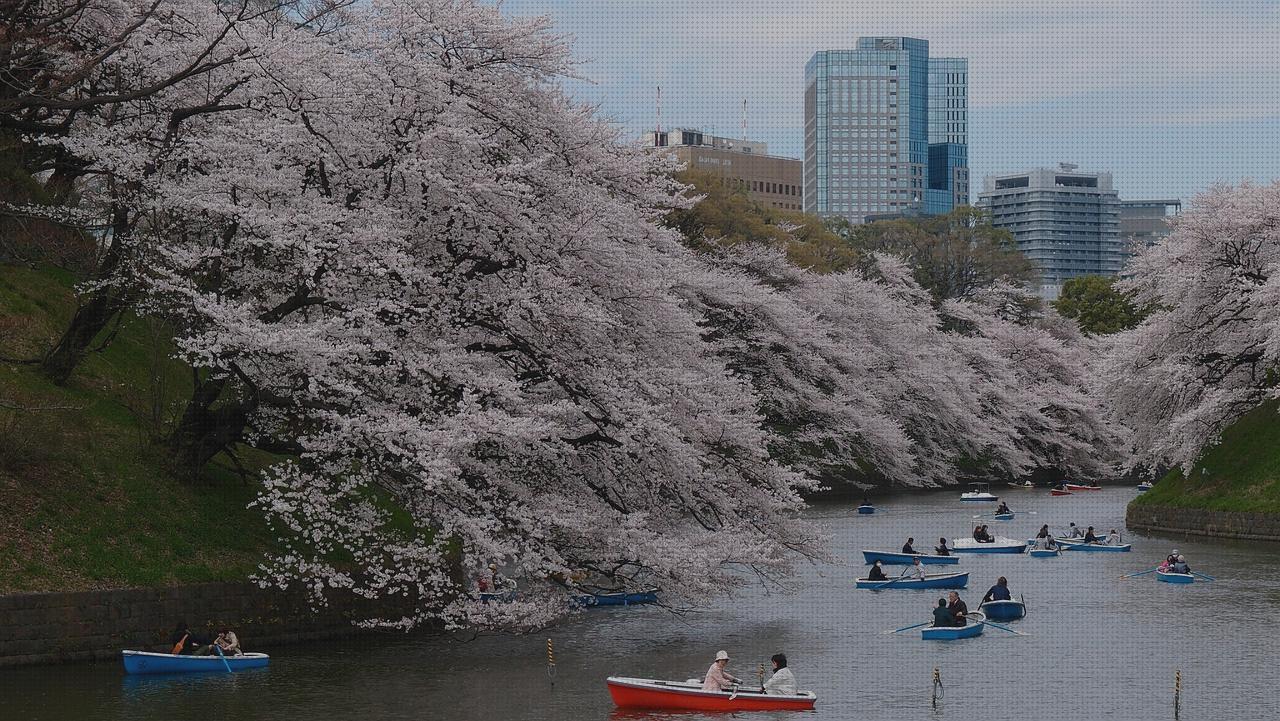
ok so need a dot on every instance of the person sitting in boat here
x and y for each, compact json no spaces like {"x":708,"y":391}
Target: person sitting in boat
{"x":909,"y":546}
{"x":181,"y":642}
{"x":1002,"y":508}
{"x":1180,"y":565}
{"x":717,"y":678}
{"x":1074,"y":531}
{"x":1044,"y":539}
{"x":782,"y":682}
{"x":942,"y":615}
{"x":915,"y":570}
{"x":226,"y":641}
{"x":959,"y":611}
{"x":1089,"y":536}
{"x":1112,"y":539}
{"x":998,"y":592}
{"x":982,"y":535}
{"x":941,"y":549}
{"x":877,"y":572}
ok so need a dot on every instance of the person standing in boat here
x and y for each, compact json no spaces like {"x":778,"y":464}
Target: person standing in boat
{"x":959,"y":611}
{"x":998,"y":592}
{"x":942,"y":615}
{"x":941,"y":549}
{"x":909,"y":546}
{"x":717,"y":678}
{"x":877,"y":572}
{"x":782,"y":682}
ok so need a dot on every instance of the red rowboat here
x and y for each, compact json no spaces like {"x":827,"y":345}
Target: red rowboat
{"x":689,"y":696}
{"x":1076,"y":487}
{"x":1056,"y":492}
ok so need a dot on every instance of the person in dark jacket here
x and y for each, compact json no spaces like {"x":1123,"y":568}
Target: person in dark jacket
{"x":958,"y":609}
{"x":998,"y":592}
{"x":877,"y":572}
{"x":1090,"y":537}
{"x":1003,"y":508}
{"x":941,"y":549}
{"x":942,"y":615}
{"x":908,"y":547}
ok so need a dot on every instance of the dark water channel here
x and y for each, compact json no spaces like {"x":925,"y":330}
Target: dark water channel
{"x":1099,"y":647}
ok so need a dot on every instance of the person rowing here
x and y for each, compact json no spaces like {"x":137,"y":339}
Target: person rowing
{"x":1180,"y":565}
{"x":1044,"y":539}
{"x":1002,"y":509}
{"x":717,"y":678}
{"x":915,"y":570}
{"x":1169,"y":560}
{"x":782,"y":682}
{"x":1074,"y":531}
{"x":981,"y":535}
{"x":877,"y":572}
{"x":1089,"y":536}
{"x":909,"y":546}
{"x":998,"y":592}
{"x":1112,"y":539}
{"x":941,"y":549}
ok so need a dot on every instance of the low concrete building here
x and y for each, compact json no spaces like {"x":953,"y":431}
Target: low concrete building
{"x":770,"y":180}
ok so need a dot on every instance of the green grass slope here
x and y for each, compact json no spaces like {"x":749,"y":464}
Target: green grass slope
{"x":1242,"y":473}
{"x":85,"y":497}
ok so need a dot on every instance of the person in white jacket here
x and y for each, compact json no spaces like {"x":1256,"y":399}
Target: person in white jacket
{"x":782,"y":682}
{"x":718,"y":679}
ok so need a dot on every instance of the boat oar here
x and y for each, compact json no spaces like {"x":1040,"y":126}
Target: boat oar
{"x":1002,"y":628}
{"x":1205,"y":576}
{"x":890,"y":582}
{"x":908,"y":628}
{"x":1141,"y":573}
{"x":217,"y":648}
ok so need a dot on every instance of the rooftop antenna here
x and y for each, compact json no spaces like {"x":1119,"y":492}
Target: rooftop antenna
{"x":659,"y":108}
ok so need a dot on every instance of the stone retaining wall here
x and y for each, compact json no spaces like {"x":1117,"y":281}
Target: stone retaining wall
{"x":1200,"y":522}
{"x":40,"y":628}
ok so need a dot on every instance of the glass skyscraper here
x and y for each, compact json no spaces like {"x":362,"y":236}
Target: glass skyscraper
{"x":886,"y":130}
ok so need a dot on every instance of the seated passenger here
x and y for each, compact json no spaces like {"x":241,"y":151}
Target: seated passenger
{"x":909,"y":546}
{"x":941,"y":549}
{"x":877,"y":572}
{"x":1074,"y":531}
{"x":959,"y":611}
{"x":782,"y":682}
{"x":1113,"y":538}
{"x":1180,"y":565}
{"x":1089,"y":537}
{"x":942,"y":615}
{"x":717,"y":679}
{"x":916,"y":570}
{"x":1003,"y":508}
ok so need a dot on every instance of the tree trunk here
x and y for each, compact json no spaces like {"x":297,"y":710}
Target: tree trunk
{"x":205,"y":430}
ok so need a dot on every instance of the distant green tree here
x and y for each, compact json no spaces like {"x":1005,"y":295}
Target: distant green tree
{"x":726,"y":216}
{"x":951,"y":255}
{"x":1097,"y":306}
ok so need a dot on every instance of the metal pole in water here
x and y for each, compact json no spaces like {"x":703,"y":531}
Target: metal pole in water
{"x":1177,"y":692}
{"x":551,"y":663}
{"x":937,"y":687}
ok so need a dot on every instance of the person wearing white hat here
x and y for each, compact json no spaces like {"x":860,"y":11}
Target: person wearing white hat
{"x":717,"y":679}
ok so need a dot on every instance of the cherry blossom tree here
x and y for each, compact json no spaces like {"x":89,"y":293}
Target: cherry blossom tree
{"x":1210,"y":350}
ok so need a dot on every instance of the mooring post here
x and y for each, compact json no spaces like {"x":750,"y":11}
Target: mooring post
{"x":937,"y":686}
{"x":1177,"y":692}
{"x":551,"y":662}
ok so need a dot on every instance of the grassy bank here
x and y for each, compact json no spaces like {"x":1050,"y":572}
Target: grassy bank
{"x":86,"y":496}
{"x":1242,"y":473}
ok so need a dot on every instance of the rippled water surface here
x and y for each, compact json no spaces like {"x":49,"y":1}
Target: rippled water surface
{"x":1098,"y":647}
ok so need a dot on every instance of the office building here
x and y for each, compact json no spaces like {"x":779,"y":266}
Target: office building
{"x":886,"y":130}
{"x":1066,"y":222}
{"x":1146,"y":222}
{"x":770,"y":180}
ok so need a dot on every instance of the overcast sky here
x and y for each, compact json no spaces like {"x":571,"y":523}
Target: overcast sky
{"x":1169,"y":95}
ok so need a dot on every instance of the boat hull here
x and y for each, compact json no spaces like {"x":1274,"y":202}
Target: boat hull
{"x":1175,"y":577}
{"x":1003,"y":610}
{"x":938,"y":580}
{"x":1056,"y":492}
{"x":1001,"y":545}
{"x":1044,"y":553}
{"x":139,"y":662}
{"x":1003,"y":516}
{"x":1094,"y":547}
{"x":951,"y":633}
{"x":1144,"y":487}
{"x":677,"y":696}
{"x":618,"y":599}
{"x":892,"y":558}
{"x":978,"y":497}
{"x":866,"y":510}
{"x":1074,"y":487}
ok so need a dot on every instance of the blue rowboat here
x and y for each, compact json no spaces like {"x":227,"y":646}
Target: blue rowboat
{"x":866,"y":509}
{"x":146,"y":662}
{"x":1003,"y":516}
{"x":931,"y":580}
{"x":1000,"y":545}
{"x":951,"y":633}
{"x":1170,"y":577}
{"x":893,"y":558}
{"x":1102,"y":547}
{"x":1144,"y":487}
{"x":1044,"y":552}
{"x":1003,"y":610}
{"x":617,"y":598}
